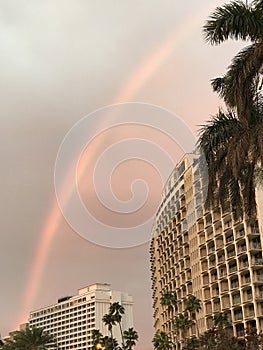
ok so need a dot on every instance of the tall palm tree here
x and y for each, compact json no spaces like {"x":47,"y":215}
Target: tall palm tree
{"x":30,"y":339}
{"x":234,"y":154}
{"x":96,"y":337}
{"x":109,"y":343}
{"x":169,"y":299}
{"x":238,"y":20}
{"x":183,"y":323}
{"x":116,"y":310}
{"x":109,"y":321}
{"x":193,"y":305}
{"x":231,"y":141}
{"x":130,"y":337}
{"x":161,"y":341}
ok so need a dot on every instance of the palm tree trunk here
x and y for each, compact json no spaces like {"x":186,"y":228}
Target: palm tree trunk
{"x":197,"y":329}
{"x":121,"y":335}
{"x":111,"y":334}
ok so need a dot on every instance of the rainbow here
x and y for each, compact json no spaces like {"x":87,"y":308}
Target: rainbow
{"x":137,"y":80}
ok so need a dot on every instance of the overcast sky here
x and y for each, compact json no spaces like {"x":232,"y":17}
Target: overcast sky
{"x":60,"y":61}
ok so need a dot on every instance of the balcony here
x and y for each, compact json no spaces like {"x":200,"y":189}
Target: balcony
{"x":232,"y":268}
{"x":231,"y":253}
{"x":257,"y":262}
{"x":240,"y":333}
{"x":249,"y":313}
{"x":244,"y":264}
{"x":247,"y":297}
{"x":253,"y":231}
{"x":225,"y":303}
{"x":211,"y":249}
{"x":204,"y":266}
{"x":217,"y":307}
{"x":207,"y":294}
{"x":241,"y":248}
{"x":218,"y":230}
{"x":214,"y":277}
{"x":234,"y":284}
{"x":203,"y":253}
{"x":229,"y":239}
{"x":258,"y":278}
{"x":201,"y":239}
{"x":254,"y":246}
{"x":236,"y":300}
{"x":238,"y":316}
{"x":219,"y":243}
{"x":208,"y":309}
{"x":215,"y":292}
{"x":222,"y":273}
{"x":227,"y":224}
{"x":224,"y":287}
{"x":259,"y":295}
{"x":245,"y":280}
{"x":221,"y":259}
{"x":240,"y":233}
{"x":212,"y":263}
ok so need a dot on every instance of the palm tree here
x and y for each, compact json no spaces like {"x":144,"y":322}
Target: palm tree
{"x":238,"y":20}
{"x":234,"y":154}
{"x":109,"y":321}
{"x":131,"y":337}
{"x":96,"y":337}
{"x":193,"y":305}
{"x":231,"y":142}
{"x":183,"y":323}
{"x":161,"y":341}
{"x":169,"y":299}
{"x":30,"y":339}
{"x":192,"y":344}
{"x":220,"y":319}
{"x":116,"y":311}
{"x":109,"y":343}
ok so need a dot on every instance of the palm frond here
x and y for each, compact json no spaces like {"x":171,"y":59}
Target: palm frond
{"x":218,"y":85}
{"x":235,"y":20}
{"x":239,"y":88}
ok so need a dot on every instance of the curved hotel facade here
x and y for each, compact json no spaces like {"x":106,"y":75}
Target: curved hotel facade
{"x":210,"y":255}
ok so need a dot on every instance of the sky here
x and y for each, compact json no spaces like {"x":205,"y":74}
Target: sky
{"x":62,"y":63}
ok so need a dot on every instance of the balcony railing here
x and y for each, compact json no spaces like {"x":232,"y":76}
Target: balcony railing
{"x":244,"y":264}
{"x":241,"y":248}
{"x":250,"y":313}
{"x":234,"y":285}
{"x":257,"y":262}
{"x":231,"y":253}
{"x":241,"y":233}
{"x":248,"y":297}
{"x":236,"y":301}
{"x":258,"y":278}
{"x":238,"y":316}
{"x":229,"y":239}
{"x":233,"y":269}
{"x":254,"y":245}
{"x":259,"y":295}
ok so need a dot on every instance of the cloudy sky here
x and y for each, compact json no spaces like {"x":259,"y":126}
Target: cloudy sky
{"x":60,"y":61}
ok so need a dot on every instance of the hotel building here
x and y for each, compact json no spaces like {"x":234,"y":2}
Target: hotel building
{"x":205,"y":253}
{"x":72,"y":319}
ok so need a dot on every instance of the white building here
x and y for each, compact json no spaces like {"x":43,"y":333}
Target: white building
{"x":72,"y":319}
{"x":207,"y":253}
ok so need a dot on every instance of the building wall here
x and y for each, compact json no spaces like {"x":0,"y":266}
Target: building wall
{"x":212,"y":256}
{"x":71,"y":321}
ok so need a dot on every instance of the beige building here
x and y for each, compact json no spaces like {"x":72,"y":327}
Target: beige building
{"x":72,"y":319}
{"x":205,"y":253}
